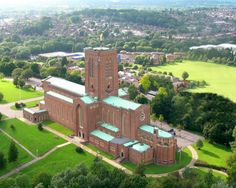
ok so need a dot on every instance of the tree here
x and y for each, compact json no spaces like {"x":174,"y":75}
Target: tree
{"x":64,"y":61}
{"x":1,"y":96}
{"x":13,"y":152}
{"x":21,"y":83}
{"x":233,"y":144}
{"x":140,"y":168}
{"x":231,"y":170}
{"x":145,"y":82}
{"x":26,"y":74}
{"x":185,"y":75}
{"x":43,"y":178}
{"x":3,"y":161}
{"x":199,"y":144}
{"x":2,"y":76}
{"x":133,"y":92}
{"x":141,"y":99}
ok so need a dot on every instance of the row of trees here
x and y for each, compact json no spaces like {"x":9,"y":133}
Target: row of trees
{"x":99,"y":175}
{"x":220,"y":56}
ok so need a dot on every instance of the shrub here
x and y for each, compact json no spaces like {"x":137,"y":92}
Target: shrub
{"x":12,"y":127}
{"x":17,"y":105}
{"x":3,"y":161}
{"x":40,"y":127}
{"x":204,"y":164}
{"x":79,"y":150}
{"x":1,"y":116}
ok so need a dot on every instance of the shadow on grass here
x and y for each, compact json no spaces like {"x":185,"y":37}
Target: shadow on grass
{"x":209,"y":153}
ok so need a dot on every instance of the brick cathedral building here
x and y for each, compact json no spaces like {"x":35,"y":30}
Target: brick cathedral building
{"x":100,"y":113}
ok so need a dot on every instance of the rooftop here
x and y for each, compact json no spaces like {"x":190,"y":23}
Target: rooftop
{"x":140,"y":147}
{"x":130,"y":143}
{"x":121,"y":103}
{"x":103,"y":136}
{"x":67,"y":85}
{"x":59,"y":96}
{"x":150,"y":129}
{"x":88,"y":99}
{"x":110,"y":127}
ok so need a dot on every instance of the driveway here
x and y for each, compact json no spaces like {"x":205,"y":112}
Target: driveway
{"x":6,"y":108}
{"x":184,"y":138}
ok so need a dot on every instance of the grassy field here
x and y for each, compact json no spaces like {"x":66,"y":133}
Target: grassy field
{"x":186,"y":157}
{"x":60,"y":160}
{"x":202,"y":171}
{"x":221,"y":79}
{"x":213,"y":154}
{"x":27,"y":105}
{"x":11,"y":93}
{"x":107,"y":155}
{"x":38,"y":142}
{"x":23,"y":157}
{"x":58,"y":127}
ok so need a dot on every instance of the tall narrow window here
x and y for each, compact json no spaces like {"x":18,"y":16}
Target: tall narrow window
{"x":91,"y":68}
{"x":80,"y":117}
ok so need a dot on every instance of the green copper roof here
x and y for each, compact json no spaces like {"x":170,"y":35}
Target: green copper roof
{"x":59,"y":96}
{"x":103,"y":136}
{"x":150,"y":129}
{"x":122,"y":92}
{"x":130,"y":143}
{"x":141,"y":147}
{"x":121,"y":103}
{"x":88,"y":99}
{"x":67,"y":85}
{"x":110,"y":127}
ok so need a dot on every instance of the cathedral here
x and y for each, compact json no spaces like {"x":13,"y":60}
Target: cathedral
{"x":101,"y":114}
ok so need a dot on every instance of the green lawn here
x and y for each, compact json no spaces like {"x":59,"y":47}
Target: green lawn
{"x":186,"y":157}
{"x":221,"y":79}
{"x":11,"y":93}
{"x":58,"y":127}
{"x":60,"y":160}
{"x":38,"y":142}
{"x":214,"y":154}
{"x":27,"y":105}
{"x":23,"y":157}
{"x":202,"y":171}
{"x":107,"y":155}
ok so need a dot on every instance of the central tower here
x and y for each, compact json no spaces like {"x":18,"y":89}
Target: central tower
{"x":101,"y":72}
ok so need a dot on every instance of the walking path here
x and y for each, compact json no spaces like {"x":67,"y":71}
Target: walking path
{"x":18,"y":169}
{"x":19,"y":144}
{"x":191,"y":138}
{"x":77,"y":141}
{"x":6,"y":108}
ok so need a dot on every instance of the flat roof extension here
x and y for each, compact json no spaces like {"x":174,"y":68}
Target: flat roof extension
{"x":103,"y":136}
{"x":121,"y":103}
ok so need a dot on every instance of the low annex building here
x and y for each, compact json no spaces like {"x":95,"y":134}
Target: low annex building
{"x":100,"y":113}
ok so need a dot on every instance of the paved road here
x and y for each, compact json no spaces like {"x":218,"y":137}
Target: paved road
{"x":6,"y":108}
{"x":184,"y":138}
{"x":18,"y":169}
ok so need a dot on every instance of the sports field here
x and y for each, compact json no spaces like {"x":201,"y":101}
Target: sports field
{"x":221,"y":79}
